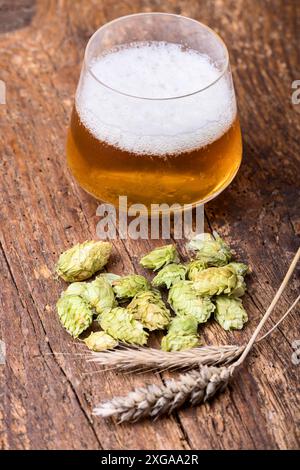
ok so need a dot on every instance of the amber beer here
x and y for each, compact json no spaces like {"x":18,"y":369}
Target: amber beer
{"x":151,"y":135}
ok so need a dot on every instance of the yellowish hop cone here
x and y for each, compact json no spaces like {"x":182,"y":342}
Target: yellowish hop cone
{"x":240,"y":269}
{"x":169,"y":275}
{"x":160,"y":257}
{"x":121,"y":325}
{"x":222,"y":280}
{"x":185,"y":300}
{"x":75,"y":288}
{"x":211,"y":250}
{"x":128,"y":286}
{"x":230,"y":313}
{"x":100,"y":341}
{"x":75,"y":314}
{"x":83,"y":260}
{"x":149,"y":308}
{"x":195,"y":267}
{"x":182,"y":334}
{"x":98,"y":293}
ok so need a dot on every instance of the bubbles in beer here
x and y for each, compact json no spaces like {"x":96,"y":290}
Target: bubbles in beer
{"x":156,"y":125}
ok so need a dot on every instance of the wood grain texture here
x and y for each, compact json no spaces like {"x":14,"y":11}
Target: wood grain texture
{"x":47,"y":399}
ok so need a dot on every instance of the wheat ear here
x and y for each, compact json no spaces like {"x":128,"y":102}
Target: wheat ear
{"x":156,"y":359}
{"x":155,"y":400}
{"x":192,"y":388}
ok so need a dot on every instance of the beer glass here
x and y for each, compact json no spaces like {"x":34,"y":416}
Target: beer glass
{"x":155,"y":115}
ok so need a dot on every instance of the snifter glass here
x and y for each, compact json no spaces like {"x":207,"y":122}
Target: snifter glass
{"x":155,"y":115}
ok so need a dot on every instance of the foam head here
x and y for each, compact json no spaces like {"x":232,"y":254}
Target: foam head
{"x":165,"y":114}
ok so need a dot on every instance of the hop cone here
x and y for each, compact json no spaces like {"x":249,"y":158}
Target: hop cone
{"x":74,"y":313}
{"x":121,"y":325}
{"x":149,"y":308}
{"x":230,"y":313}
{"x":83,"y":260}
{"x":211,"y":250}
{"x":195,"y":267}
{"x":182,"y":334}
{"x":128,"y":286}
{"x":240,"y":288}
{"x":160,"y":257}
{"x":100,"y":341}
{"x":100,"y":295}
{"x":169,"y":275}
{"x":110,"y":277}
{"x":185,"y":300}
{"x":240,"y":269}
{"x":216,"y":281}
{"x":76,"y":288}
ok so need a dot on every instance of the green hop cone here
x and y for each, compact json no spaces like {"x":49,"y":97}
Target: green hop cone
{"x":182,"y":334}
{"x":216,"y":281}
{"x":149,"y":308}
{"x":169,"y":275}
{"x":74,"y":313}
{"x":121,"y":325}
{"x":100,"y":341}
{"x":128,"y":286}
{"x":195,"y":267}
{"x":76,"y":288}
{"x":230,"y":313}
{"x":159,"y":257}
{"x":240,"y":269}
{"x":240,"y":288}
{"x":83,"y":260}
{"x":211,"y":250}
{"x":110,"y":277}
{"x":100,"y":295}
{"x":185,"y":300}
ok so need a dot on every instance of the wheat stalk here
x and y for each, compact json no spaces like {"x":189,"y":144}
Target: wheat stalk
{"x":155,"y":359}
{"x":192,"y":388}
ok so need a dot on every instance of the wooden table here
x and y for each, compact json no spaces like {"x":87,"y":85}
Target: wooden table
{"x":46,"y":398}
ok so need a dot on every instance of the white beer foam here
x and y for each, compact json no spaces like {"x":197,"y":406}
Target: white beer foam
{"x":155,"y":126}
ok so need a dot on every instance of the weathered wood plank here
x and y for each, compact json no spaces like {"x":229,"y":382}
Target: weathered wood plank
{"x":47,"y":397}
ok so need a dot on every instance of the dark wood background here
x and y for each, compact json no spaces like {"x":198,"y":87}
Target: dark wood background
{"x":46,"y":399}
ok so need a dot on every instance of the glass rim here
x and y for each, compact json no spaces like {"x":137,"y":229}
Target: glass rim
{"x":120,"y":18}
